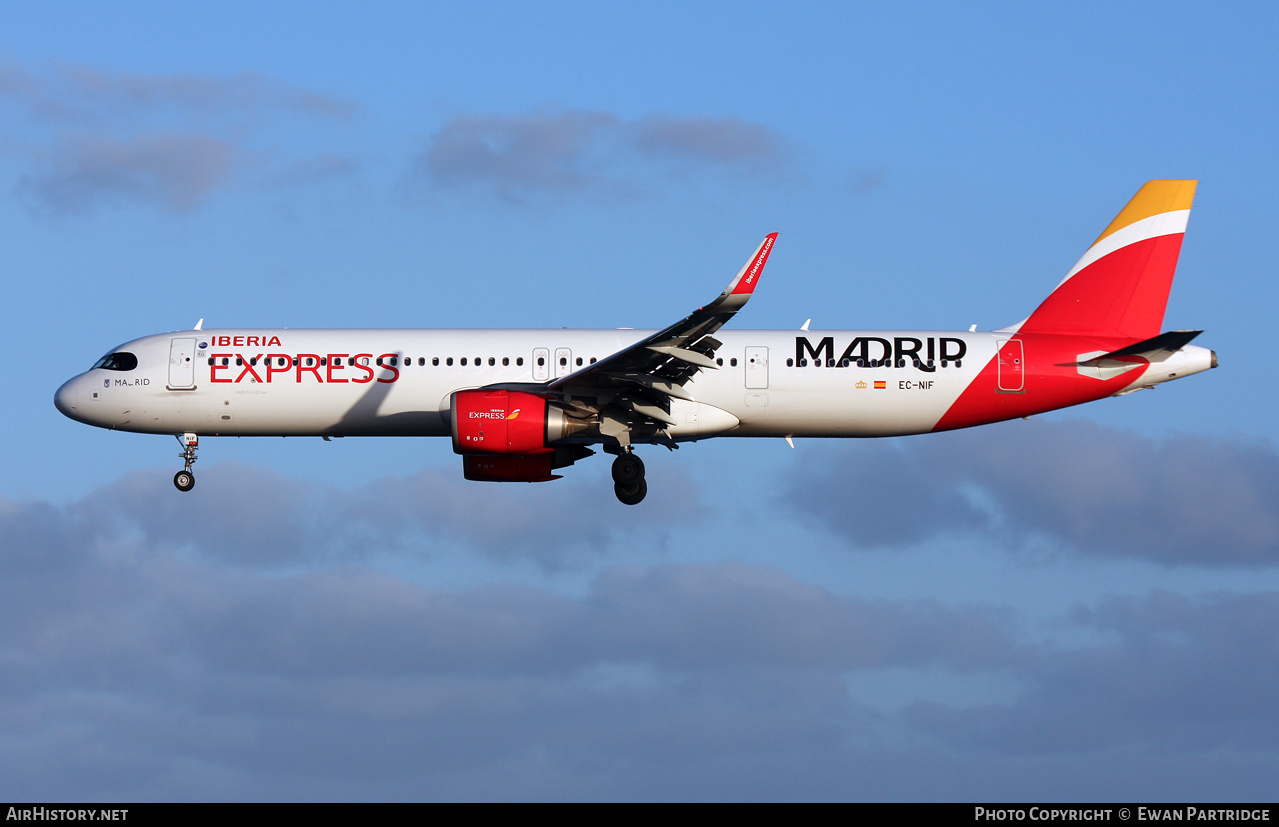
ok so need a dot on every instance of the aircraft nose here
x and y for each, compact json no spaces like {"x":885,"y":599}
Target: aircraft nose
{"x":67,"y":397}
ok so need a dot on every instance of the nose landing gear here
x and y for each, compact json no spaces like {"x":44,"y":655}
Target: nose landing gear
{"x":184,"y":480}
{"x":628,"y":478}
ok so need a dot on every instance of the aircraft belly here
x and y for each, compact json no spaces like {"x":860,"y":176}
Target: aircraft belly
{"x":843,"y":413}
{"x":842,"y":402}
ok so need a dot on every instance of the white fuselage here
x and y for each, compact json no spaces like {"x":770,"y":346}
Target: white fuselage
{"x":303,"y":382}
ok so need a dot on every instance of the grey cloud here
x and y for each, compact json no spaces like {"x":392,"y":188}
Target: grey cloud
{"x":550,"y":151}
{"x":81,"y":92}
{"x":125,"y":644}
{"x":1185,"y":674}
{"x":863,"y":182}
{"x":248,"y":516}
{"x":313,"y":171}
{"x":1101,"y":492}
{"x":18,"y":82}
{"x":212,"y":682}
{"x":714,"y":140}
{"x":543,"y":522}
{"x":175,"y":170}
{"x":518,"y":153}
{"x":758,"y":615}
{"x":104,"y":138}
{"x":244,"y":92}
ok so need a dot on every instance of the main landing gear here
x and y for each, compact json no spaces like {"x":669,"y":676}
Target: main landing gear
{"x":628,"y":478}
{"x":184,"y":479}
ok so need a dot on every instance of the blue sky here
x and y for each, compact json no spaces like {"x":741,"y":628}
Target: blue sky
{"x":1082,"y":606}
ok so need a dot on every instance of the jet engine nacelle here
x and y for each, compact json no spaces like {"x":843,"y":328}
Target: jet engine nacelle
{"x":507,"y":422}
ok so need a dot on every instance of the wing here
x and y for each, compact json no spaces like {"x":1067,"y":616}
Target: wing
{"x":631,"y":390}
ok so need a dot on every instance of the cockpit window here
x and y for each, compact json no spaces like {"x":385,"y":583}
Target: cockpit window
{"x":117,"y":361}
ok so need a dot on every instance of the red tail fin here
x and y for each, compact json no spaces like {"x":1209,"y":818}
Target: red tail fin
{"x":1120,"y":286}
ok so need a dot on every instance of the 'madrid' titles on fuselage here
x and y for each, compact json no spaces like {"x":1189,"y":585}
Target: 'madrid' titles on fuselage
{"x":875,"y":351}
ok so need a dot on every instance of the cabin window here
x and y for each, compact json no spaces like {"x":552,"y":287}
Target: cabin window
{"x":506,"y":361}
{"x":592,"y":360}
{"x":579,"y":361}
{"x":790,"y":363}
{"x":435,"y":361}
{"x":719,"y":362}
{"x":449,"y":361}
{"x":519,"y":360}
{"x":492,"y":361}
{"x":463,"y":361}
{"x":732,"y":362}
{"x":541,"y":361}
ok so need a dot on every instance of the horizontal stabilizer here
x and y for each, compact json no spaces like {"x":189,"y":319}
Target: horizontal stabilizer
{"x":1151,"y":349}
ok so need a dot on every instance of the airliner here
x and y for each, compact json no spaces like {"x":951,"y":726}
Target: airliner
{"x":522,"y":404}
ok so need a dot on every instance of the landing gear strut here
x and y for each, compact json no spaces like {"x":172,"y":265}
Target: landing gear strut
{"x":184,"y":480}
{"x":628,"y":478}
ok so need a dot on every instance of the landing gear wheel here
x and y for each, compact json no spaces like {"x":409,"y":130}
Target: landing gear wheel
{"x":184,"y":480}
{"x":631,"y":495}
{"x":628,"y":469}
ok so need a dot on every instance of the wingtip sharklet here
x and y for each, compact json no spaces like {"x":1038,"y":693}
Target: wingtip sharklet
{"x":746,"y":280}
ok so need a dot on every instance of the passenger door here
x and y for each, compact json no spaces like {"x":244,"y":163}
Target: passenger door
{"x":182,"y":364}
